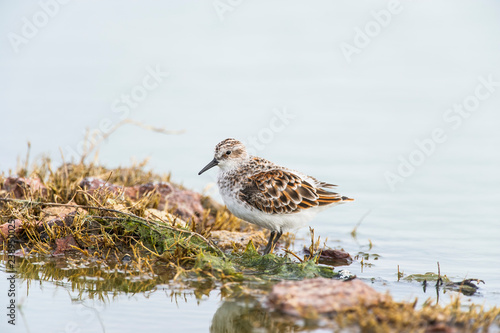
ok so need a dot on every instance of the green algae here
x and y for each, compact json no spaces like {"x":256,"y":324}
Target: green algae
{"x":252,"y":266}
{"x":429,"y":276}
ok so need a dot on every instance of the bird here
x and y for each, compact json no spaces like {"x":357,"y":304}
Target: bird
{"x":266,"y":194}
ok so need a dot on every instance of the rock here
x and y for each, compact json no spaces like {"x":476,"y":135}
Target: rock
{"x":64,"y":244}
{"x":59,"y":215}
{"x":184,"y":203}
{"x":162,"y":188}
{"x":59,"y":212}
{"x":154,"y":214}
{"x":230,"y":239}
{"x":98,"y":186}
{"x":21,"y":187}
{"x":333,"y":257}
{"x":335,"y":254}
{"x":311,"y":297}
{"x":15,"y":226}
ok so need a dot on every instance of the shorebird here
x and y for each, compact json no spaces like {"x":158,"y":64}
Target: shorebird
{"x":266,"y":194}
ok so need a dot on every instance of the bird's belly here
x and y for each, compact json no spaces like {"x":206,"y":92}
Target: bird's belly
{"x":275,"y":222}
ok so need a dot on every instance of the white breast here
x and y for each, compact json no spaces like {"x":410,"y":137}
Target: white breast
{"x":275,"y":222}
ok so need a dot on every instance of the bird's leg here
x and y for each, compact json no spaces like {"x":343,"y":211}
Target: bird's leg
{"x":275,"y":241}
{"x":269,"y":243}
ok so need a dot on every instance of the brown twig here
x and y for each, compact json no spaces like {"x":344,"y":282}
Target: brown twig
{"x":104,"y":136}
{"x":293,"y":254}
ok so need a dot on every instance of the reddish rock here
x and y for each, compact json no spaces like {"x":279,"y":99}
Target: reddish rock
{"x":60,"y":212}
{"x":57,"y":215}
{"x":335,"y":254}
{"x":162,"y":188}
{"x":139,"y":191}
{"x":184,"y":203}
{"x":21,"y":187}
{"x":64,"y":244}
{"x":333,"y":257}
{"x":311,"y":297}
{"x":95,"y":186}
{"x":15,"y":226}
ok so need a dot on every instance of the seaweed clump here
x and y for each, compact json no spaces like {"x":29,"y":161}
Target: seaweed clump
{"x":106,"y":214}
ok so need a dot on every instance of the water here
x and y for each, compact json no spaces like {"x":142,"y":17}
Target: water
{"x":64,"y":313}
{"x":348,"y":123}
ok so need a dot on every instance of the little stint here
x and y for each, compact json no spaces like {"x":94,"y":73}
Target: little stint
{"x":268,"y":195}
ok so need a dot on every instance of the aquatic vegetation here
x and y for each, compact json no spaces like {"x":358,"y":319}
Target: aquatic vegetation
{"x":250,"y":265}
{"x":466,"y":287}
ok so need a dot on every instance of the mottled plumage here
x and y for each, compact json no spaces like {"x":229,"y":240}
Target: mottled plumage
{"x":271,"y":196}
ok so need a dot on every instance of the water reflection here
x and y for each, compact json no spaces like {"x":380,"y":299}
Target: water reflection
{"x":248,"y":315}
{"x":92,"y":279}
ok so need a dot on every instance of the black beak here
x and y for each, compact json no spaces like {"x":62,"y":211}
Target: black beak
{"x":210,"y":165}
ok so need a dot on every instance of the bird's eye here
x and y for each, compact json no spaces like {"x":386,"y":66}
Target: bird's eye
{"x":228,"y":152}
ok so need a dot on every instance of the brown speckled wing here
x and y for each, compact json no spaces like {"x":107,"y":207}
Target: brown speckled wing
{"x":279,"y":192}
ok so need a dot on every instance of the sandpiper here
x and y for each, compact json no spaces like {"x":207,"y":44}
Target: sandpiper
{"x":268,"y":195}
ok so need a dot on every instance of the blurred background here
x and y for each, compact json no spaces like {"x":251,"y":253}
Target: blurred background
{"x":398,"y":103}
